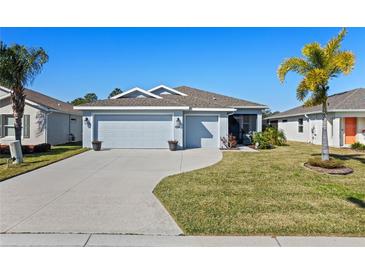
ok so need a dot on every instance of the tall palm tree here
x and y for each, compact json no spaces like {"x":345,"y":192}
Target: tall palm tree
{"x":318,"y":65}
{"x":18,"y":67}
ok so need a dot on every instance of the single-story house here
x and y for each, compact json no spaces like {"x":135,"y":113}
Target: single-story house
{"x":140,"y":118}
{"x":346,"y":120}
{"x":45,"y":120}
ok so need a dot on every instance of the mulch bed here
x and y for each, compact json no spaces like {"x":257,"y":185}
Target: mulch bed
{"x":332,"y":171}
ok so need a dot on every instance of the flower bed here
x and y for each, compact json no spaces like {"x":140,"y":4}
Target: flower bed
{"x":27,"y":149}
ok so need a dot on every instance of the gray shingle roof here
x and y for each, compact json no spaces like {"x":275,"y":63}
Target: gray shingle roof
{"x":217,"y":98}
{"x":46,"y":101}
{"x":50,"y":102}
{"x":140,"y":102}
{"x":349,"y":100}
{"x":196,"y":98}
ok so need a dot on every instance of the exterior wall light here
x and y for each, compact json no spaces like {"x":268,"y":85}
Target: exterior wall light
{"x":86,"y":120}
{"x":178,"y":123}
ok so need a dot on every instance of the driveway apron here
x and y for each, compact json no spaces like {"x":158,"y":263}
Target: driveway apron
{"x":97,"y":192}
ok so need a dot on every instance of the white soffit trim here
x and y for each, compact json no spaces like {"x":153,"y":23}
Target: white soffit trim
{"x":213,"y":109}
{"x":129,"y":108}
{"x":167,"y":88}
{"x":347,"y":110}
{"x":313,"y":112}
{"x":5,"y":89}
{"x":136,"y":89}
{"x":292,"y":115}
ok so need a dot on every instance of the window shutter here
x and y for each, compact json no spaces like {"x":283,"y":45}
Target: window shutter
{"x":2,"y":125}
{"x":26,"y":126}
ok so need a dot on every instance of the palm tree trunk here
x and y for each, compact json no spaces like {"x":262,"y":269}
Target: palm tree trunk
{"x":18,"y":104}
{"x":325,"y":147}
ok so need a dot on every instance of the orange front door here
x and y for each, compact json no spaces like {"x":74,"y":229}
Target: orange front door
{"x":350,"y":130}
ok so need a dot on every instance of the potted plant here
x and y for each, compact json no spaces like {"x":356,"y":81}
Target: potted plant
{"x":96,"y":145}
{"x":173,"y":144}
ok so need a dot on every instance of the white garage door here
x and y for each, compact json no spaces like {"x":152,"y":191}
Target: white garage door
{"x":134,"y":131}
{"x":201,"y":131}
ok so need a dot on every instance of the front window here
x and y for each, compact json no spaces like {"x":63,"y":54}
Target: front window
{"x":9,"y":125}
{"x":300,"y":125}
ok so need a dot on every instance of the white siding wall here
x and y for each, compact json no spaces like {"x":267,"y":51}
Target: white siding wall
{"x":87,"y":129}
{"x":335,"y":127}
{"x":290,"y":129}
{"x":37,"y":123}
{"x":59,"y":127}
{"x":222,"y":121}
{"x":179,"y":132}
{"x":360,"y":136}
{"x":312,"y":129}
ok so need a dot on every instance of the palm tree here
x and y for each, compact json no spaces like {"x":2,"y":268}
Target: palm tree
{"x":18,"y":67}
{"x":318,"y":65}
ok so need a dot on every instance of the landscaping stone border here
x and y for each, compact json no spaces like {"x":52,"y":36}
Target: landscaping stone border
{"x":331,"y":171}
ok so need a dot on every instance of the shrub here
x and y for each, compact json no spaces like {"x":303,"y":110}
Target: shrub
{"x":330,"y":164}
{"x":269,"y":138}
{"x":358,"y":146}
{"x":276,"y":137}
{"x":41,"y":148}
{"x":230,"y":142}
{"x":261,"y":140}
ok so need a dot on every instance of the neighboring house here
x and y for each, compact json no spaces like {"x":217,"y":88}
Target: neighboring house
{"x":140,"y":118}
{"x":346,"y":120}
{"x":45,"y":120}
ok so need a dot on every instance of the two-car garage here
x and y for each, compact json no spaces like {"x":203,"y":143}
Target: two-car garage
{"x":134,"y":131}
{"x":154,"y":130}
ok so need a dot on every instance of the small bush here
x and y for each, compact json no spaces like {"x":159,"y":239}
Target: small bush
{"x":261,"y":140}
{"x":269,"y":138}
{"x":276,"y":137}
{"x":330,"y":164}
{"x":230,"y":142}
{"x":358,"y":146}
{"x":41,"y":148}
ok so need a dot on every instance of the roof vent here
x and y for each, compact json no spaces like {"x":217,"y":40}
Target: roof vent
{"x":59,"y":104}
{"x":214,"y":98}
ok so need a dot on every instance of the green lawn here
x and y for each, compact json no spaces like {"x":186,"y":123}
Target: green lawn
{"x":36,"y":160}
{"x":268,"y":193}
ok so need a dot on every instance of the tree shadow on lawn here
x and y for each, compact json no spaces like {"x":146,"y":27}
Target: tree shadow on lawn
{"x":356,"y":157}
{"x":356,"y":201}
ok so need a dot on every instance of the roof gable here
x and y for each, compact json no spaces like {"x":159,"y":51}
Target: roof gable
{"x":136,"y":93}
{"x":164,"y":90}
{"x":44,"y":102}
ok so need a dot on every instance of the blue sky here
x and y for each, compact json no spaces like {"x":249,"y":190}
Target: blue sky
{"x":239,"y":62}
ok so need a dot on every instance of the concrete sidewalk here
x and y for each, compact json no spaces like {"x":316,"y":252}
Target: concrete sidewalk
{"x":119,"y":240}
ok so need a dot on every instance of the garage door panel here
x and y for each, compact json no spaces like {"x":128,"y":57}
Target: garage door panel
{"x":202,"y":131}
{"x":134,"y":131}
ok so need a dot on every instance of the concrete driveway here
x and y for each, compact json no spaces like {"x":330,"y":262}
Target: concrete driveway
{"x":97,"y":192}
